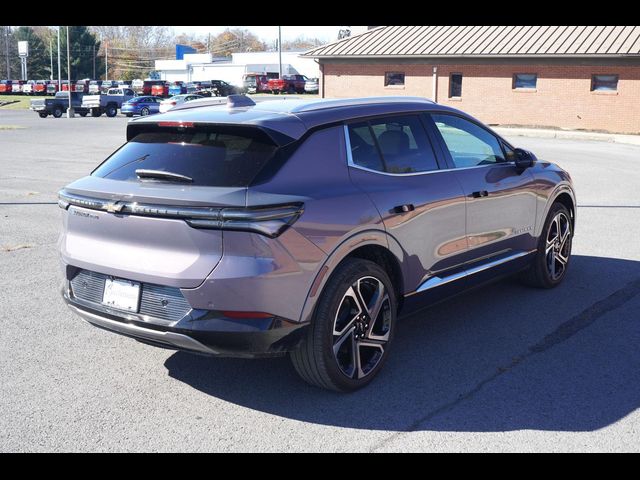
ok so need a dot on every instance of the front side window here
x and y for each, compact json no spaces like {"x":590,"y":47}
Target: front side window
{"x":525,"y":80}
{"x":393,"y":78}
{"x":396,"y":144}
{"x":606,"y":83}
{"x":455,"y":85}
{"x":469,"y":144}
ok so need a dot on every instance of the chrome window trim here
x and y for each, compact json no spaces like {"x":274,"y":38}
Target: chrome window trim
{"x":351,"y":163}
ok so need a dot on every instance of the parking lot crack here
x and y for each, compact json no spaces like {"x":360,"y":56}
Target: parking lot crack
{"x":564,"y":332}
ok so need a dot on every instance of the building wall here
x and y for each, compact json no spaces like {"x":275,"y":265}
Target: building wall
{"x":562,"y":98}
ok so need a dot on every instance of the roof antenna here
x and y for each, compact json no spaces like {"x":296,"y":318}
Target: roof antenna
{"x":234,"y":101}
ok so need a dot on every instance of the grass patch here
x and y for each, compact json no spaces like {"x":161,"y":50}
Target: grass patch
{"x":24,"y":101}
{"x":13,"y":248}
{"x":10,"y":127}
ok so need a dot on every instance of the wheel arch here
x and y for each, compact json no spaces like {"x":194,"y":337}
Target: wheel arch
{"x":374,"y":245}
{"x":563,"y":194}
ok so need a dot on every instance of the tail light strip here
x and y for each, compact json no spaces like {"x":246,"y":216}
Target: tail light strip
{"x":270,"y":221}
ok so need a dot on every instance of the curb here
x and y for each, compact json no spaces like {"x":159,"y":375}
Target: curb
{"x":569,"y":135}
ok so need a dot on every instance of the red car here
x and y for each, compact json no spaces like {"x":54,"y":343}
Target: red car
{"x":160,"y":90}
{"x":65,"y":85}
{"x":5,"y":86}
{"x":287,"y":84}
{"x":40,"y":88}
{"x":148,"y":85}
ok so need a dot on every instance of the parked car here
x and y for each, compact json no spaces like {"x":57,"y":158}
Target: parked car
{"x":308,"y":236}
{"x":137,"y":85}
{"x":5,"y":86}
{"x":16,"y":86}
{"x":148,"y":85}
{"x":160,"y":90}
{"x":40,"y":87}
{"x":65,"y":85}
{"x":124,"y":84}
{"x":177,"y":88}
{"x":52,"y":88}
{"x":107,"y":103}
{"x":94,"y":87}
{"x":28,"y":87}
{"x":58,"y":105}
{"x":142,"y":106}
{"x":81,"y":86}
{"x":169,"y":103}
{"x":193,"y":87}
{"x":108,"y":85}
{"x":223,"y":89}
{"x":287,"y":84}
{"x":257,"y":82}
{"x":311,"y":86}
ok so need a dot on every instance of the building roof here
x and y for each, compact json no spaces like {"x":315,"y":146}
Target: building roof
{"x":486,"y":41}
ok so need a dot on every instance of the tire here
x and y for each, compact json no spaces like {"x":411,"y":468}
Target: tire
{"x":314,"y":359}
{"x":43,"y":114}
{"x":95,"y":112}
{"x":84,"y":114}
{"x":111,"y":111}
{"x":57,"y":111}
{"x":144,"y":112}
{"x":553,"y":254}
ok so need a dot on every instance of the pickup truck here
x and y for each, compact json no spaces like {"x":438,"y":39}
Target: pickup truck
{"x":57,"y":105}
{"x":287,"y":84}
{"x":108,"y":103}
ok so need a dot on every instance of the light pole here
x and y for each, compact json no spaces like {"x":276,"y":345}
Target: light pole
{"x":69,"y":110}
{"x":59,"y":74}
{"x":279,"y":51}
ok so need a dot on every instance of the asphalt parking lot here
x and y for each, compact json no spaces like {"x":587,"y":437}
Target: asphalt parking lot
{"x":504,"y":367}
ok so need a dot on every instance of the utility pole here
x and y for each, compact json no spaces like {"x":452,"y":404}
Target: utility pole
{"x":69,"y":110}
{"x":279,"y":51}
{"x":51,"y":55}
{"x":59,"y":74}
{"x":106,"y":62}
{"x":94,"y":61}
{"x":6,"y":43}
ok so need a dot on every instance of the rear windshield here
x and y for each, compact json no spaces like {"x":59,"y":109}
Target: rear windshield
{"x":210,"y":158}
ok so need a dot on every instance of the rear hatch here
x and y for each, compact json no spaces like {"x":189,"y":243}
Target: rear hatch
{"x":149,"y":212}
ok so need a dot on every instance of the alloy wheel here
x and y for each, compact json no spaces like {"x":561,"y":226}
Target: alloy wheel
{"x":558,"y":247}
{"x":361,"y":327}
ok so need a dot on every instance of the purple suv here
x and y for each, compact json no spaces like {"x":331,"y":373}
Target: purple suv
{"x":305,"y":226}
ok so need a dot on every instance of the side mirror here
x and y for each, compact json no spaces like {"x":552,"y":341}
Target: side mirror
{"x":524,"y":159}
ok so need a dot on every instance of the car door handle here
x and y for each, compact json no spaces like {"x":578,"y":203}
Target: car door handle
{"x":408,"y":207}
{"x":480,"y":194}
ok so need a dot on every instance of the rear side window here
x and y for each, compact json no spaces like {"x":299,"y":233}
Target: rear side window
{"x":210,"y":158}
{"x":392,"y":144}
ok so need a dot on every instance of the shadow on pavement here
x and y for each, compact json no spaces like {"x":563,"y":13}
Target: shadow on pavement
{"x":503,"y":357}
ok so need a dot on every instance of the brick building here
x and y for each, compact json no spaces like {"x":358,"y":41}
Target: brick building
{"x":575,"y":77}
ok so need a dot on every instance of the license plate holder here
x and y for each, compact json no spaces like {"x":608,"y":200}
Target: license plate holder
{"x":121,"y":294}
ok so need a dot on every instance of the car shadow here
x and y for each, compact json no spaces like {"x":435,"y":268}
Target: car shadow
{"x":501,"y":357}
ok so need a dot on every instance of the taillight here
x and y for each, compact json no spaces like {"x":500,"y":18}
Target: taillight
{"x":172,"y":103}
{"x":134,"y":104}
{"x":270,"y":221}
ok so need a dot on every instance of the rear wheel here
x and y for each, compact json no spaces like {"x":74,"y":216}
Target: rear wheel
{"x":43,"y":114}
{"x":347,"y":342}
{"x":111,"y":111}
{"x":144,"y":112}
{"x":84,"y":114}
{"x":57,"y":111}
{"x":550,"y":264}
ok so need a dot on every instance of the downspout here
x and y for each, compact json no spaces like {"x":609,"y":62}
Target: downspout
{"x":434,"y":95}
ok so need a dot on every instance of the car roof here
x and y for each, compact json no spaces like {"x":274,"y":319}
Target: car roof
{"x":291,"y":116}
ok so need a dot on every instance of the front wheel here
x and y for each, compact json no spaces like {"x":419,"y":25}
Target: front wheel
{"x":84,"y":114}
{"x":57,"y":112}
{"x":111,"y":111}
{"x":349,"y":336}
{"x":43,"y":114}
{"x":144,"y":112}
{"x":550,"y":264}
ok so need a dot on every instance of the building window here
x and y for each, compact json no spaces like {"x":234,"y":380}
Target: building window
{"x":525,"y":80}
{"x":393,"y":78}
{"x":604,"y":83}
{"x":455,"y":85}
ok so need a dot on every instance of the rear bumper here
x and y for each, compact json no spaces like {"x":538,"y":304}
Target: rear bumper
{"x":204,"y":332}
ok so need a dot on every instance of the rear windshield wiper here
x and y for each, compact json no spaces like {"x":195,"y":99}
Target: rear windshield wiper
{"x":162,"y":175}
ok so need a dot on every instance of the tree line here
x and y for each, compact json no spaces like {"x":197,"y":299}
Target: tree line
{"x":129,"y":51}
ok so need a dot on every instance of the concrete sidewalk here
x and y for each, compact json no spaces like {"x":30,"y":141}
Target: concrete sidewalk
{"x":568,"y":135}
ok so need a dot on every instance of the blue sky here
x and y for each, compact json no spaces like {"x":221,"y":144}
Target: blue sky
{"x":269,"y":33}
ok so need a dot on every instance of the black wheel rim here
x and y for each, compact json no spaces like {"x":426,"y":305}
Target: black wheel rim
{"x":558,"y":246}
{"x":361,"y":327}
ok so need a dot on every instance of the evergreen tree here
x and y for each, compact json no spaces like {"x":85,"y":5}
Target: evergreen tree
{"x":82,"y":46}
{"x":38,"y":61}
